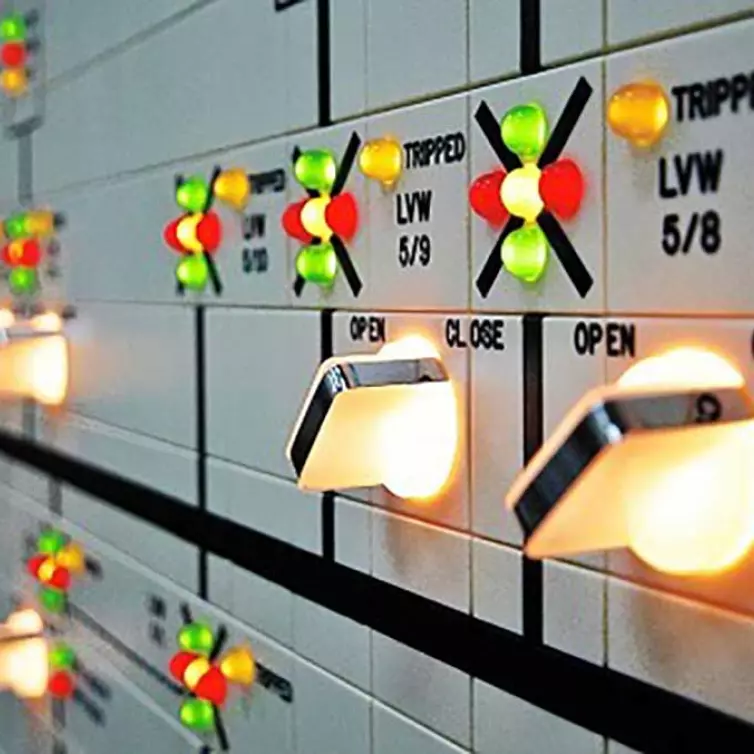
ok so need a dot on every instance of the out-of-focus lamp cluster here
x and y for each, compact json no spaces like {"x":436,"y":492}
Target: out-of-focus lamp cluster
{"x":526,"y":191}
{"x":24,"y":236}
{"x":207,"y":680}
{"x":198,"y":233}
{"x":55,"y":564}
{"x":16,"y":46}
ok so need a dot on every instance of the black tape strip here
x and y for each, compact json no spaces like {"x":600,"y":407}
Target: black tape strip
{"x":568,"y":256}
{"x":221,"y":639}
{"x":323,"y":61}
{"x":344,"y":260}
{"x":222,"y":735}
{"x":214,"y":275}
{"x":491,"y":129}
{"x":346,"y":164}
{"x":327,"y":520}
{"x":531,"y":572}
{"x":566,"y":122}
{"x":632,"y":712}
{"x":494,"y":263}
{"x":201,"y":432}
{"x":530,"y":14}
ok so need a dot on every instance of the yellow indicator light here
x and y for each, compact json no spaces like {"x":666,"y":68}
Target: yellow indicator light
{"x":382,"y":160}
{"x":639,"y":112}
{"x":14,"y":81}
{"x":238,"y":666}
{"x":194,"y":672}
{"x":313,"y":217}
{"x":186,"y":233}
{"x":40,"y":223}
{"x":232,"y":186}
{"x":36,"y":368}
{"x":24,"y":666}
{"x":71,"y":557}
{"x":46,"y":570}
{"x":520,"y":192}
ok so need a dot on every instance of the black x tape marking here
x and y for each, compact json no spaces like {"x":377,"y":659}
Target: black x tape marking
{"x":494,"y":264}
{"x":186,"y":615}
{"x":566,"y":122}
{"x":341,"y":252}
{"x":214,"y":275}
{"x":211,"y":193}
{"x":220,"y":639}
{"x":491,"y":130}
{"x":222,"y":736}
{"x":567,"y":255}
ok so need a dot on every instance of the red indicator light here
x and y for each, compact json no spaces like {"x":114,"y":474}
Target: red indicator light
{"x":485,"y":199}
{"x":292,"y":223}
{"x":13,"y":54}
{"x":212,"y":686}
{"x":61,"y":685}
{"x":179,"y":663}
{"x":209,"y":231}
{"x":170,"y":234}
{"x":33,"y":564}
{"x":561,"y":187}
{"x":342,"y":215}
{"x":60,"y":579}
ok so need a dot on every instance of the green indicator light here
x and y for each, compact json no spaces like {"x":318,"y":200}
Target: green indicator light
{"x":198,"y":714}
{"x":315,"y":169}
{"x":318,"y":264}
{"x":13,"y":28}
{"x":525,"y":253}
{"x":192,"y":194}
{"x":51,"y":541}
{"x":53,"y":600}
{"x":196,"y":637}
{"x":16,"y":226}
{"x":524,"y":130}
{"x":22,"y":279}
{"x":192,"y":272}
{"x":62,"y":657}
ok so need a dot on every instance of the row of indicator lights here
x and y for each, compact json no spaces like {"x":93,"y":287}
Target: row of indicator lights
{"x":26,"y":232}
{"x":197,"y":234}
{"x":207,"y":679}
{"x":15,"y":46}
{"x":56,"y":562}
{"x":669,"y":483}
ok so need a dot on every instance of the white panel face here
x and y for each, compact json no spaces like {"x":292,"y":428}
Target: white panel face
{"x":333,"y":642}
{"x":424,"y":559}
{"x":570,"y":29}
{"x":77,"y":31}
{"x":153,"y":547}
{"x":501,"y":717}
{"x":330,"y":717}
{"x":574,"y":610}
{"x":413,"y":49}
{"x":264,"y":503}
{"x":395,"y":734}
{"x":426,"y":690}
{"x":678,"y":214}
{"x":348,"y":57}
{"x":626,"y":23}
{"x":156,"y":464}
{"x":554,"y":290}
{"x":95,"y":123}
{"x":497,"y":597}
{"x":133,"y":366}
{"x":497,"y":399}
{"x":340,"y":294}
{"x":693,"y":650}
{"x":417,"y":228}
{"x":494,"y":38}
{"x":247,"y":353}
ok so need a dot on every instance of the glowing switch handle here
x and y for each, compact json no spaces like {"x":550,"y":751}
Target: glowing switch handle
{"x":23,"y":655}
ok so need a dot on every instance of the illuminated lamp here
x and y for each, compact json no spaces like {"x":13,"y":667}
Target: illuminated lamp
{"x":14,"y":81}
{"x":197,"y":638}
{"x":561,"y":187}
{"x":209,"y":231}
{"x":520,"y":192}
{"x":212,"y":686}
{"x":317,"y":263}
{"x":485,"y":197}
{"x":382,"y":160}
{"x":24,"y":252}
{"x":232,"y":187}
{"x":292,"y":224}
{"x":525,"y":253}
{"x":313,"y":218}
{"x":524,"y":130}
{"x":198,"y":714}
{"x":192,"y":194}
{"x":238,"y":666}
{"x":657,"y":462}
{"x":13,"y":54}
{"x":22,"y":280}
{"x":639,"y":112}
{"x":316,"y":170}
{"x":179,"y":662}
{"x":342,"y":216}
{"x":61,"y":685}
{"x":389,"y":418}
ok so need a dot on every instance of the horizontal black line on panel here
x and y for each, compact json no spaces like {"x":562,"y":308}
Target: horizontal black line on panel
{"x":635,"y":713}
